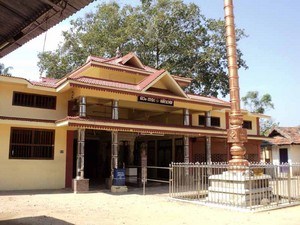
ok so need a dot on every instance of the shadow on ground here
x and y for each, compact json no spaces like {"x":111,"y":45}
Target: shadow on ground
{"x":151,"y":189}
{"x":39,"y":220}
{"x":36,"y":192}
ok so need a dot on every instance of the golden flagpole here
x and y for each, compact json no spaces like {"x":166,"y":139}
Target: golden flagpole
{"x":236,"y":135}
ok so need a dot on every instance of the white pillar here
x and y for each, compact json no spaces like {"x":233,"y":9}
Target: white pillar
{"x":114,"y":139}
{"x":115,"y":110}
{"x":208,"y":138}
{"x":114,"y":149}
{"x":186,"y":122}
{"x":80,"y":154}
{"x":82,"y":106}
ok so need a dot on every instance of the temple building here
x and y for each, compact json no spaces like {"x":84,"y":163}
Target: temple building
{"x":100,"y":117}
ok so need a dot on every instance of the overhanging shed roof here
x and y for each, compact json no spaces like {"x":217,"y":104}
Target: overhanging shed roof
{"x":23,"y":20}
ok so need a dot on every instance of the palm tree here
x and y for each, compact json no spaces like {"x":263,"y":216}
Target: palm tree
{"x":5,"y":70}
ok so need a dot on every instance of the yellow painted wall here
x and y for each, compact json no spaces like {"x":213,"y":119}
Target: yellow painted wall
{"x":113,"y":75}
{"x":195,"y":118}
{"x":21,"y":174}
{"x":253,"y":131}
{"x":102,"y":94}
{"x":222,"y":118}
{"x":7,"y":109}
{"x":222,"y":115}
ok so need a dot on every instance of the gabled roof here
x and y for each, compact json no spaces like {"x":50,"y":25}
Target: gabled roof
{"x":164,"y":77}
{"x":151,"y":82}
{"x":285,"y":135}
{"x":131,"y":61}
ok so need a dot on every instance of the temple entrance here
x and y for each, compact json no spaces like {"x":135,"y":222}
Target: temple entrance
{"x":161,"y":151}
{"x":164,"y":157}
{"x":97,"y":157}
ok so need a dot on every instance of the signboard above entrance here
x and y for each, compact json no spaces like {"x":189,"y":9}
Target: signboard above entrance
{"x":161,"y":101}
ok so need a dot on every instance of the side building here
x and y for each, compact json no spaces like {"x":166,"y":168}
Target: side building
{"x":100,"y":117}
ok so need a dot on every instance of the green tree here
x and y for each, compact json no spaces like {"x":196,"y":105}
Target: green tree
{"x":266,"y":125}
{"x":256,"y":104}
{"x":165,"y":34}
{"x":5,"y":70}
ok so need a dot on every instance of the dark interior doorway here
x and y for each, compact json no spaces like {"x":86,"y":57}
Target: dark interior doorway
{"x":164,"y":157}
{"x":97,"y":159}
{"x":283,"y":158}
{"x":283,"y":155}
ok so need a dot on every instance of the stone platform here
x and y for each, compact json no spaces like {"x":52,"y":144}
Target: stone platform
{"x":80,"y":185}
{"x":118,"y":189}
{"x":239,"y":189}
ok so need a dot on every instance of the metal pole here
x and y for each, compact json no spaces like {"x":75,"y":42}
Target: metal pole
{"x":236,"y":135}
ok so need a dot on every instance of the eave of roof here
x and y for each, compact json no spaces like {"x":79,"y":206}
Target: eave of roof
{"x":132,"y":92}
{"x":285,"y":135}
{"x":26,"y":21}
{"x":141,"y":127}
{"x":90,"y":83}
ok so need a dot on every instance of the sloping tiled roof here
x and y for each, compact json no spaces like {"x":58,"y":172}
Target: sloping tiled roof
{"x":46,"y":82}
{"x":285,"y":135}
{"x":151,"y":75}
{"x":107,"y":83}
{"x":144,"y":83}
{"x":209,"y":99}
{"x":121,"y":61}
{"x":22,"y":20}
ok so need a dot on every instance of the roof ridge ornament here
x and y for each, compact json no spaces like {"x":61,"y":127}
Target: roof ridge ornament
{"x":118,"y":52}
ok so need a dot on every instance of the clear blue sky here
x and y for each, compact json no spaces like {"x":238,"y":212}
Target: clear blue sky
{"x":272,"y":50}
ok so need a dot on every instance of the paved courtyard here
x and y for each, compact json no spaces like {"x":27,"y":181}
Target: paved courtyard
{"x":102,"y":207}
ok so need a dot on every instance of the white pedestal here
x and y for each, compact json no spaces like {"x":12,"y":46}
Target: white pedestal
{"x":239,"y":189}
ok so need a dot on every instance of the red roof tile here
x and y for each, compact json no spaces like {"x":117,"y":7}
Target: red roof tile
{"x":144,"y":83}
{"x":101,"y":82}
{"x":207,"y":99}
{"x":46,"y":82}
{"x":285,"y":135}
{"x":120,"y":61}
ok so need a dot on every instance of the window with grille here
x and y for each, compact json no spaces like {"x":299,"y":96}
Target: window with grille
{"x":31,"y":144}
{"x":34,"y":100}
{"x":215,"y":121}
{"x":247,"y":124}
{"x":202,"y":120}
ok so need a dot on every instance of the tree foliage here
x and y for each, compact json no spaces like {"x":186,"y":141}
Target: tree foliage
{"x":165,"y":34}
{"x":5,"y":70}
{"x":266,"y":125}
{"x":255,"y":104}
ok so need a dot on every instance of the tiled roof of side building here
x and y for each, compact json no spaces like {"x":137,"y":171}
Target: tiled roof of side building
{"x":46,"y":82}
{"x":285,"y":135}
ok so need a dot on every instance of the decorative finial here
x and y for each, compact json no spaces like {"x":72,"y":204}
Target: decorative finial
{"x":118,"y":52}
